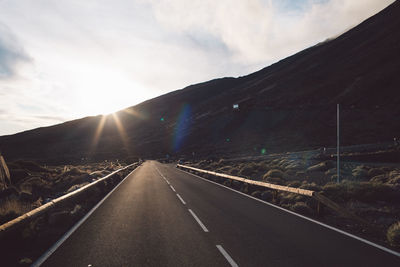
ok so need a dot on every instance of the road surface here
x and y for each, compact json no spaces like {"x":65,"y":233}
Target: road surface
{"x":161,"y":216}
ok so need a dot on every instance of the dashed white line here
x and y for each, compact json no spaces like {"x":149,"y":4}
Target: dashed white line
{"x":227,"y":257}
{"x":173,"y":189}
{"x":181,"y":199}
{"x":198,"y":221}
{"x":301,"y":216}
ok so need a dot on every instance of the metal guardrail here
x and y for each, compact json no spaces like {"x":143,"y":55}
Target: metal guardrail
{"x":29,"y":216}
{"x":299,"y":191}
{"x":317,"y":196}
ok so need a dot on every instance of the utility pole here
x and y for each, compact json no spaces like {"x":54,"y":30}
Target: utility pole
{"x":338,"y":145}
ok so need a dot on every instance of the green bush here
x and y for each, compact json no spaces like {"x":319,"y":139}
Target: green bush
{"x":393,"y":234}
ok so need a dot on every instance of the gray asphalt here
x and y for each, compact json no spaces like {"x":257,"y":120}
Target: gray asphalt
{"x":143,"y":223}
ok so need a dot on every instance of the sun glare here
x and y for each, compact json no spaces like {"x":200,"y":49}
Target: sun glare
{"x":105,"y":92}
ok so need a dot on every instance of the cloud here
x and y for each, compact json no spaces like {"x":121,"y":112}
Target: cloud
{"x":93,"y":57}
{"x":11,"y":53}
{"x":257,"y":31}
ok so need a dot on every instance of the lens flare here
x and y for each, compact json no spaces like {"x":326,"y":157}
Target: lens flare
{"x":182,"y":128}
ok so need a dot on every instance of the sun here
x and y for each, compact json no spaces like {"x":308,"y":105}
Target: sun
{"x":107,"y":91}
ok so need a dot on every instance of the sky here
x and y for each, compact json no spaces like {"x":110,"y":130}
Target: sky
{"x":63,"y":60}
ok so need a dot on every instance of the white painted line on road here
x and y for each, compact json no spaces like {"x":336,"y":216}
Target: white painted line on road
{"x":51,"y":250}
{"x":304,"y":217}
{"x":173,"y":189}
{"x":198,"y":221}
{"x":181,"y":199}
{"x":227,"y":257}
{"x":162,"y":176}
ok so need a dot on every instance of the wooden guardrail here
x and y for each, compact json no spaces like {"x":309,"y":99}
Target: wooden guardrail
{"x":317,"y":196}
{"x":29,"y":216}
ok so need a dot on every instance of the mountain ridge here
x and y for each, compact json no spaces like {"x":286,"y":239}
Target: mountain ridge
{"x":288,"y":105}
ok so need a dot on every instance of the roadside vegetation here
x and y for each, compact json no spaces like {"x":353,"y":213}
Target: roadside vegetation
{"x":32,"y":185}
{"x":370,"y":191}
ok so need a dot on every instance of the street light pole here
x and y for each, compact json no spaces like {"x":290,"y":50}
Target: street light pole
{"x":338,"y":145}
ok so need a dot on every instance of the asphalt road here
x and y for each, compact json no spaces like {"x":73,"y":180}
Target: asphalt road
{"x":161,"y":216}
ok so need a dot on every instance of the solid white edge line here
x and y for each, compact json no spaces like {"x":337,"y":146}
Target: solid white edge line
{"x":181,"y":199}
{"x":56,"y":245}
{"x":173,"y":189}
{"x":304,"y":217}
{"x":226,"y":255}
{"x":198,"y":221}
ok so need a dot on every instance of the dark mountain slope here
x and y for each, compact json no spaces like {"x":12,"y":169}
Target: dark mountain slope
{"x":289,"y":105}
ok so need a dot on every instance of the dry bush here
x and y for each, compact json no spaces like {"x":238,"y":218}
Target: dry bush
{"x":273,"y":173}
{"x":393,"y":234}
{"x":361,"y":191}
{"x":275,"y":180}
{"x":12,"y":208}
{"x":248,"y":170}
{"x":295,"y":183}
{"x":375,"y":172}
{"x":302,"y":208}
{"x":27,"y":165}
{"x":311,"y":186}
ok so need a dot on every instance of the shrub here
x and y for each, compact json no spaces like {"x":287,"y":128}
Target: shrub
{"x":256,"y":194}
{"x":360,"y":173}
{"x":294,"y":184}
{"x":312,"y":186}
{"x":273,"y":173}
{"x":28,"y":165}
{"x":321,"y":167}
{"x":275,"y":180}
{"x":247,"y":170}
{"x":267,"y":195}
{"x":361,"y":191}
{"x":375,"y":172}
{"x":393,"y":234}
{"x":302,"y":208}
{"x":11,"y":209}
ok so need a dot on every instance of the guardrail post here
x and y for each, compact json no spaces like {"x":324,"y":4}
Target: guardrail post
{"x":320,"y":208}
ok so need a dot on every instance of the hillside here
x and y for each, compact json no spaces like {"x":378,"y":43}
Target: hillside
{"x":287,"y":106}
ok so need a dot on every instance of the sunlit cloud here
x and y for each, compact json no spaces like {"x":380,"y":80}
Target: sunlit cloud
{"x":78,"y":58}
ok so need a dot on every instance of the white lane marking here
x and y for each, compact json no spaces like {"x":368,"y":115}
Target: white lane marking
{"x":198,"y":221}
{"x":181,"y":199}
{"x":162,"y":175}
{"x":173,"y":189}
{"x":304,"y":217}
{"x":51,"y":250}
{"x":227,"y":257}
